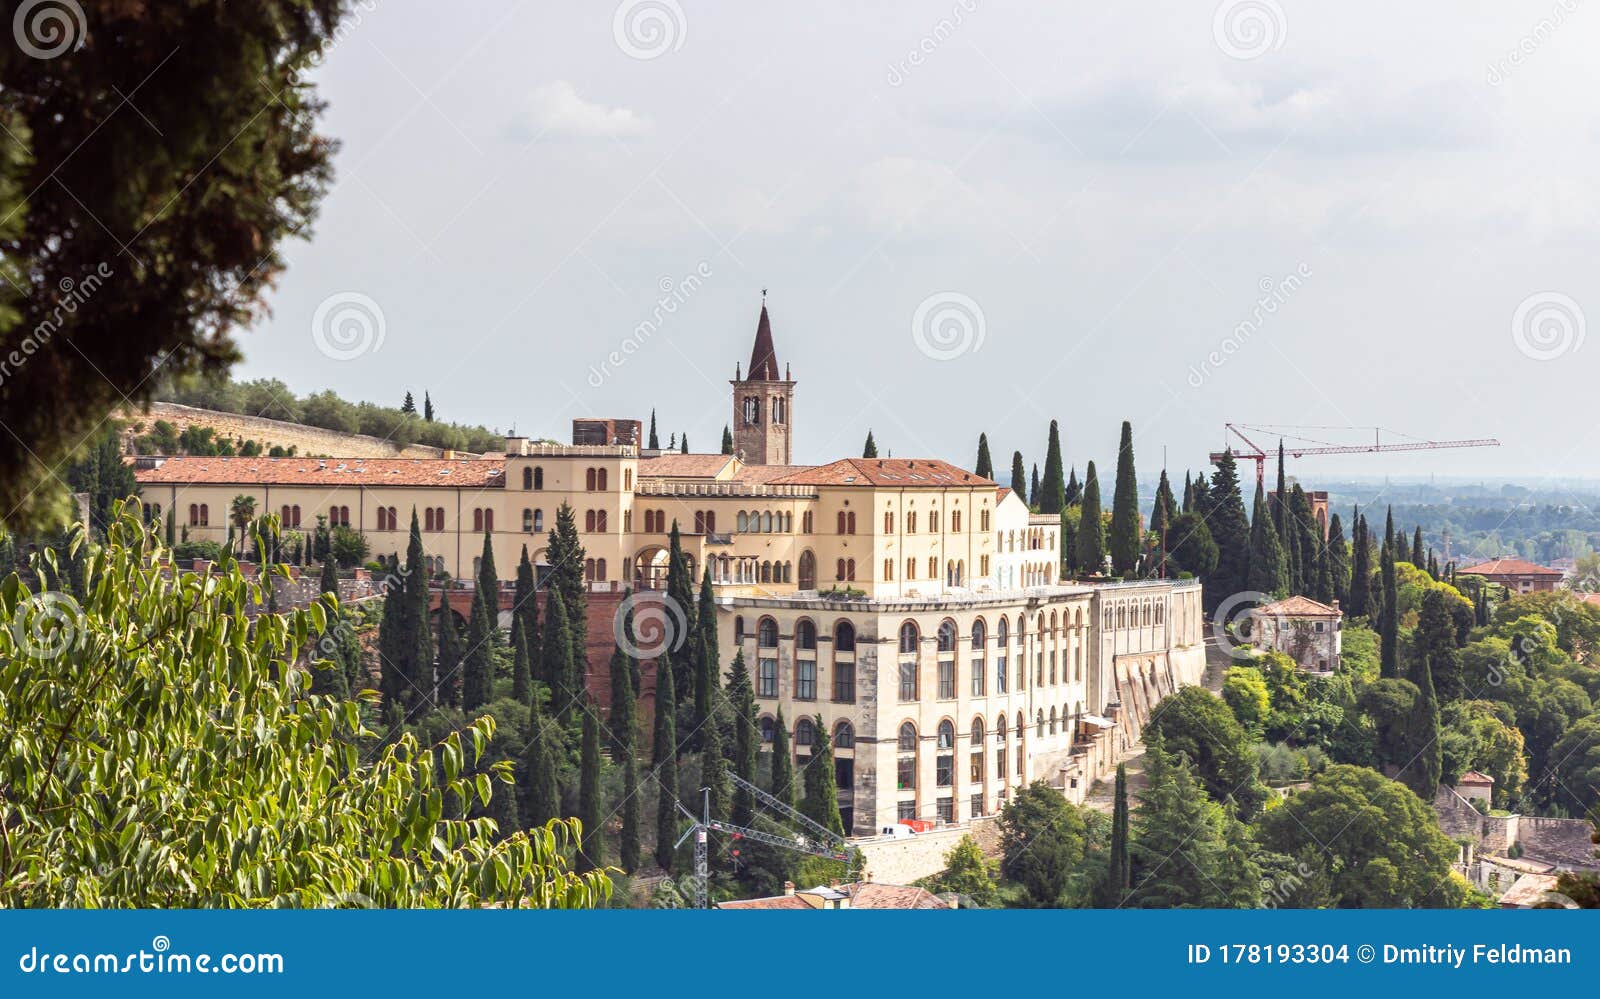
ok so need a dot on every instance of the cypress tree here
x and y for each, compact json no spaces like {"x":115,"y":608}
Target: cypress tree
{"x":1389,"y":620}
{"x":1424,"y":749}
{"x":714,"y":768}
{"x":782,"y":763}
{"x":1416,"y":548}
{"x":330,"y":577}
{"x":1054,"y":497}
{"x":477,"y":668}
{"x":525,"y":604}
{"x":1308,"y":538}
{"x":655,"y":442}
{"x":409,"y":406}
{"x":821,"y":804}
{"x":1266,"y":557}
{"x":680,"y":593}
{"x":984,"y":466}
{"x":624,"y":719}
{"x":1360,"y":568}
{"x":488,"y":583}
{"x":1188,"y":493}
{"x":1165,"y":501}
{"x":1119,"y":876}
{"x":591,"y":848}
{"x":413,"y":640}
{"x":540,"y":792}
{"x":427,"y":407}
{"x":172,"y":527}
{"x":870,"y":448}
{"x":1091,"y":545}
{"x":683,"y":446}
{"x":450,"y":653}
{"x":707,"y":666}
{"x":521,"y":667}
{"x":1338,"y":563}
{"x":391,"y":682}
{"x":555,"y":654}
{"x":566,"y":556}
{"x":1074,"y":490}
{"x":1035,"y":496}
{"x":1230,"y":529}
{"x":1280,"y":501}
{"x":741,"y":700}
{"x":628,"y":850}
{"x":727,"y":440}
{"x":665,"y":760}
{"x":1125,"y":540}
{"x":1019,"y":476}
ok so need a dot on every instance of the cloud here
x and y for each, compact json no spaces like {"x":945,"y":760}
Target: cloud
{"x":557,"y":109}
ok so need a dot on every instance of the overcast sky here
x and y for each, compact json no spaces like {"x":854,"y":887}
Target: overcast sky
{"x":970,"y":216}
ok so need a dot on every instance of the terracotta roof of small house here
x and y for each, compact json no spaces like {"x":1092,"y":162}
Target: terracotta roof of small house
{"x":1298,"y":606}
{"x":771,"y":902}
{"x":1474,"y":777}
{"x":862,"y":894}
{"x":470,"y":472}
{"x":1508,"y":567}
{"x":900,"y":473}
{"x":684,"y":466}
{"x":1001,"y":493}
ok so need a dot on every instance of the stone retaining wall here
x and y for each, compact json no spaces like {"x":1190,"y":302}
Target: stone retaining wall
{"x":306,"y":440}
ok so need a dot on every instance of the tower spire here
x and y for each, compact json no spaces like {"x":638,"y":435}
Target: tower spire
{"x":763,"y":358}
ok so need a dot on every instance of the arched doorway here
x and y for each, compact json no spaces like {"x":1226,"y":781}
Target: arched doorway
{"x":808,"y":570}
{"x":650,"y":568}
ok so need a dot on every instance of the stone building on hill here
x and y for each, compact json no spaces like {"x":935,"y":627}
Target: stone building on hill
{"x":1500,"y":849}
{"x":1306,"y":631}
{"x":1515,"y":574}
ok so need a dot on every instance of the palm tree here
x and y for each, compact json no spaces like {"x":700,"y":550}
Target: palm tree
{"x":242,"y":511}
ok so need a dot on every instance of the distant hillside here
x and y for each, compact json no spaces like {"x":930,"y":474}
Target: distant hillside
{"x":173,"y":429}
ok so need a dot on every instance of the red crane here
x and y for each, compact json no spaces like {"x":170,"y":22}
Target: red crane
{"x":1296,"y":445}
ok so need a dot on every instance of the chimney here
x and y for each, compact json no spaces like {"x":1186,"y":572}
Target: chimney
{"x":788,"y":887}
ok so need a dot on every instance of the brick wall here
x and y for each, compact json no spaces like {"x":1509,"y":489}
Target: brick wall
{"x":307,"y":440}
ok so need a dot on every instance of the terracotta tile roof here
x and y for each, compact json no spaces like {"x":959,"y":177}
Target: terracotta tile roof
{"x":1001,"y":494}
{"x":1473,"y":777}
{"x":1297,"y":606}
{"x":763,"y":474}
{"x":1508,"y":567}
{"x":875,"y":896}
{"x":684,"y":466}
{"x":472,"y":472}
{"x":891,"y":472}
{"x":774,"y":902}
{"x":1529,"y":891}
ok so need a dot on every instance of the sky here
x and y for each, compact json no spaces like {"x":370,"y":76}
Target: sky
{"x":969,"y":216}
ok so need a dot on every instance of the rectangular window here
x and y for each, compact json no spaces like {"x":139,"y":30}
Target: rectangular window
{"x":906,"y":773}
{"x":1019,"y":763}
{"x":977,"y":805}
{"x":805,"y":679}
{"x":947,"y":678}
{"x":1000,"y":763}
{"x":1000,"y":674}
{"x":977,"y":768}
{"x":946,"y":809}
{"x":944,"y":770}
{"x":768,"y":683}
{"x":844,"y":682}
{"x":844,"y":773}
{"x":906,"y":810}
{"x":977,"y":678}
{"x":908,"y":681}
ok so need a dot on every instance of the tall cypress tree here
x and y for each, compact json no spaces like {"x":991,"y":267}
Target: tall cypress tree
{"x":521,"y":666}
{"x":870,"y":448}
{"x":821,"y":804}
{"x":591,"y":848}
{"x":1019,"y":476}
{"x":1188,"y":493}
{"x":1423,"y":747}
{"x":655,"y":442}
{"x":427,"y":407}
{"x":727,"y":440}
{"x":680,"y":593}
{"x":1307,"y":538}
{"x":1125,"y":540}
{"x":1091,"y":545}
{"x":329,"y":583}
{"x":1389,"y":620}
{"x":555,"y":654}
{"x":741,"y":700}
{"x":714,"y":766}
{"x":1119,"y":876}
{"x":1230,"y":529}
{"x":1164,"y":498}
{"x":1074,"y":489}
{"x":665,"y":761}
{"x":1416,"y":548}
{"x":1339,"y":563}
{"x":984,"y":466}
{"x":526,"y":604}
{"x":540,"y":790}
{"x":1266,"y":557}
{"x":1054,"y":484}
{"x":392,"y":683}
{"x":1035,"y":491}
{"x":782,"y":763}
{"x":488,"y":584}
{"x":450,"y":652}
{"x":628,"y":849}
{"x":624,"y":718}
{"x":1360,"y":567}
{"x":566,"y":555}
{"x":708,"y":665}
{"x":477,"y":668}
{"x":415,"y":641}
{"x":1280,"y":500}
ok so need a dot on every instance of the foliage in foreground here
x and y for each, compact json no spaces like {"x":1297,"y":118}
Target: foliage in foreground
{"x":163,"y":750}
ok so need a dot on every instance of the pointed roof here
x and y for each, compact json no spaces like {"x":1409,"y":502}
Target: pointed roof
{"x":763,"y":359}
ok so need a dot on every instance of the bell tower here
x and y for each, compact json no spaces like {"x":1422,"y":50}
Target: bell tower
{"x":763,"y":403}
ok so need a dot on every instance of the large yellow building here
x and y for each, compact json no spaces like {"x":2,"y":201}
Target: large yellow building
{"x":910,"y":605}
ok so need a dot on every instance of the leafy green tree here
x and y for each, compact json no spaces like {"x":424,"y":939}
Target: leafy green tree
{"x":1195,"y":722}
{"x":104,"y":476}
{"x":1042,"y":837}
{"x":821,"y":802}
{"x":984,"y":466}
{"x":1191,"y":546}
{"x":1244,"y":690}
{"x":1266,"y":557}
{"x":1577,"y":767}
{"x":1186,"y":850}
{"x":591,"y":849}
{"x":1383,"y":847}
{"x":1091,"y":545}
{"x":665,"y":761}
{"x":870,"y":448}
{"x":782,"y":763}
{"x":967,"y":874}
{"x":1125,"y":541}
{"x":1053,"y":499}
{"x":101,"y":729}
{"x":1230,"y":530}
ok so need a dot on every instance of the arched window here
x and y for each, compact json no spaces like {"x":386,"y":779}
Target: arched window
{"x":527,"y":520}
{"x":838,"y":569}
{"x":850,"y":569}
{"x":1052,"y":719}
{"x":588,"y":479}
{"x":766,"y":572}
{"x":908,"y":738}
{"x":767,"y":633}
{"x":844,"y":637}
{"x":944,"y":763}
{"x":909,"y":638}
{"x":538,"y":519}
{"x":850,"y":523}
{"x":1000,"y":729}
{"x":766,"y":729}
{"x":766,"y":523}
{"x":538,"y":477}
{"x":602,"y":478}
{"x":1002,"y":631}
{"x":741,"y":522}
{"x":805,"y":636}
{"x":600,"y":570}
{"x":841,"y":522}
{"x":979,"y":636}
{"x":947,"y":635}
{"x":844,"y":736}
{"x":527,"y":478}
{"x":947,"y":735}
{"x":1039,"y":725}
{"x":805,"y":734}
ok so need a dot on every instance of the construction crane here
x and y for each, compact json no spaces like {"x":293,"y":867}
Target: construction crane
{"x":1299,"y":446}
{"x":814,"y":839}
